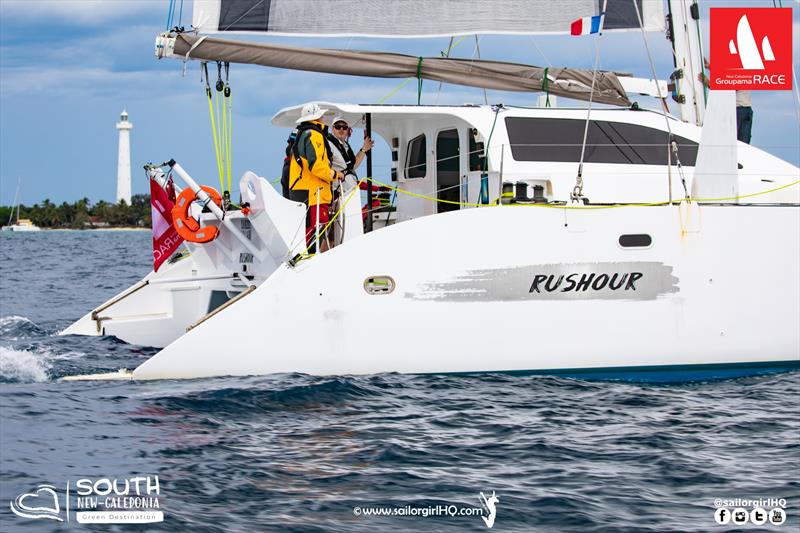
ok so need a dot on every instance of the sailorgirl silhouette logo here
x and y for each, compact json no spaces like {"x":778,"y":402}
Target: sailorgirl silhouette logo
{"x":751,"y":48}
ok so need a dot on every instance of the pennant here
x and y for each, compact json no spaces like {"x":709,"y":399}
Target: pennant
{"x":165,"y":239}
{"x":585,"y":26}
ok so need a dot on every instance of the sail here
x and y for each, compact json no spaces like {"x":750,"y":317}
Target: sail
{"x":417,"y":18}
{"x":498,"y":75}
{"x":716,"y":177}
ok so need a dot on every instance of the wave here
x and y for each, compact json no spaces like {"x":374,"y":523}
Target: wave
{"x":15,"y":327}
{"x":19,"y":366}
{"x":309,"y":394}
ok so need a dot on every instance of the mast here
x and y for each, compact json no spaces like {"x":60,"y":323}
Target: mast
{"x":16,"y":203}
{"x":368,"y":133}
{"x":684,"y":33}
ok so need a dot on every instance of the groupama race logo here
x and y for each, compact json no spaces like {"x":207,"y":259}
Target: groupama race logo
{"x":751,"y":48}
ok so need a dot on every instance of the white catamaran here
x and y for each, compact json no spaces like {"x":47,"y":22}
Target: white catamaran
{"x":673,"y":254}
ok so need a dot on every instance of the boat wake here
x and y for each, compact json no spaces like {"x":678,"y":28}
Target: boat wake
{"x":32,"y":353}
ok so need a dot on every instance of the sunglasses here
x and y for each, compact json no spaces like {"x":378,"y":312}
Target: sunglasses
{"x":340,"y":126}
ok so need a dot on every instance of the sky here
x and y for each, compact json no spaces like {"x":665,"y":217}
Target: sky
{"x":69,"y":67}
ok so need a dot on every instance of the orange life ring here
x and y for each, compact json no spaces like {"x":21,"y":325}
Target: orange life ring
{"x":186,"y":225}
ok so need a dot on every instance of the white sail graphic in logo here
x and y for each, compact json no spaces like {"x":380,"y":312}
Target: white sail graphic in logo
{"x":748,"y":49}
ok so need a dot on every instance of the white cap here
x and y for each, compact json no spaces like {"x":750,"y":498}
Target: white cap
{"x":311,"y":112}
{"x":339,"y":118}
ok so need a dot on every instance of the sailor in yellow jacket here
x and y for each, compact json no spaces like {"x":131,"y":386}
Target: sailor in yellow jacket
{"x":310,"y":172}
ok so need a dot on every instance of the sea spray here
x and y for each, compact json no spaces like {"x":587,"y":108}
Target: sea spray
{"x":19,"y":366}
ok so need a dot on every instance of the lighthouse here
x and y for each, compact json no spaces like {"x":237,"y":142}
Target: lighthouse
{"x":124,"y":159}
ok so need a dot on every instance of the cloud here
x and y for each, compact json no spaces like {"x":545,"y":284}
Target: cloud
{"x":79,"y":12}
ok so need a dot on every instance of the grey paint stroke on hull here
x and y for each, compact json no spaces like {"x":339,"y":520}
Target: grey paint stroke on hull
{"x":641,"y":280}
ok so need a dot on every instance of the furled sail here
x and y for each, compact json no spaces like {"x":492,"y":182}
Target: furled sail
{"x":498,"y":75}
{"x":417,"y":18}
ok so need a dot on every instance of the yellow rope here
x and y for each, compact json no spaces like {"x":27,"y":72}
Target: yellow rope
{"x":552,"y":206}
{"x":229,"y":154}
{"x":214,"y":133}
{"x":304,"y":254}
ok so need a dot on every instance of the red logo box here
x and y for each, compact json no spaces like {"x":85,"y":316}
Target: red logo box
{"x":751,"y":48}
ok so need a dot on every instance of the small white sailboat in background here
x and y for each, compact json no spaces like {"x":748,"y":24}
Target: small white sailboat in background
{"x":22,"y":224}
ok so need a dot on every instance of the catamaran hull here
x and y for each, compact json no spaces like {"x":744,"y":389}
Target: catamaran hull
{"x":715,"y":293}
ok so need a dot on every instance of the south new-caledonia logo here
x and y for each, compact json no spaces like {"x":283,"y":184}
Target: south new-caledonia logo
{"x":751,"y":48}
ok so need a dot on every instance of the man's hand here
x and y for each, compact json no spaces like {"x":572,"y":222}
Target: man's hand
{"x":368,"y":144}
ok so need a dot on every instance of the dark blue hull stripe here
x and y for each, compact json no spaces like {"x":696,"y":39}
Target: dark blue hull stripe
{"x":662,"y":373}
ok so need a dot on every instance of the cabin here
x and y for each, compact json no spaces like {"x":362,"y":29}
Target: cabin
{"x":471,"y":155}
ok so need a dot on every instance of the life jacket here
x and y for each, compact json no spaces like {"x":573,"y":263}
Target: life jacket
{"x":346,"y":151}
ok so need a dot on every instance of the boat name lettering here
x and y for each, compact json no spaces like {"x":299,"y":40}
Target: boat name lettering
{"x":572,"y":282}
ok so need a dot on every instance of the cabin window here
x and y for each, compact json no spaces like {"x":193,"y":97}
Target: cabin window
{"x":476,"y":156}
{"x":416,"y":154}
{"x":560,"y":139}
{"x":448,"y":162}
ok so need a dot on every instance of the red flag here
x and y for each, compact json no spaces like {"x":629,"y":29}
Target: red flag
{"x":165,"y":239}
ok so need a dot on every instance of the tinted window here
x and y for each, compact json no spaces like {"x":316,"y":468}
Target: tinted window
{"x":560,"y":139}
{"x":447,"y":174}
{"x":415,"y":158}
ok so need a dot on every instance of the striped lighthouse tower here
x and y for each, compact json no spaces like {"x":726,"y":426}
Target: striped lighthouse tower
{"x":124,"y":159}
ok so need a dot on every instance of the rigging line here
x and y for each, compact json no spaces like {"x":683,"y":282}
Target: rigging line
{"x":586,"y":207}
{"x":546,"y":60}
{"x":661,"y":97}
{"x":393,"y":91}
{"x":692,"y":70}
{"x":220,"y":143}
{"x":224,"y":140}
{"x":478,"y":48}
{"x":577,"y":191}
{"x":700,"y":46}
{"x":796,"y":94}
{"x":355,"y":190}
{"x":229,"y":98}
{"x":243,"y":15}
{"x":446,"y":54}
{"x":169,"y":13}
{"x":419,"y":80}
{"x":204,"y":70}
{"x":407,"y":80}
{"x":180,"y":15}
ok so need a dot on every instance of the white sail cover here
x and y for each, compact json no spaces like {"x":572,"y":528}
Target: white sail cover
{"x":417,"y":18}
{"x":499,"y":75}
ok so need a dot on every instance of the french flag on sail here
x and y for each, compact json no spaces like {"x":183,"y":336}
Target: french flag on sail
{"x":585,"y":26}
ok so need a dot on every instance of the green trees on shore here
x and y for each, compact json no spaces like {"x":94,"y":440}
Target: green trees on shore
{"x":82,"y":214}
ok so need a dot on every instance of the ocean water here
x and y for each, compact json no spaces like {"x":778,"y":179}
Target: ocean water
{"x":302,"y":453}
